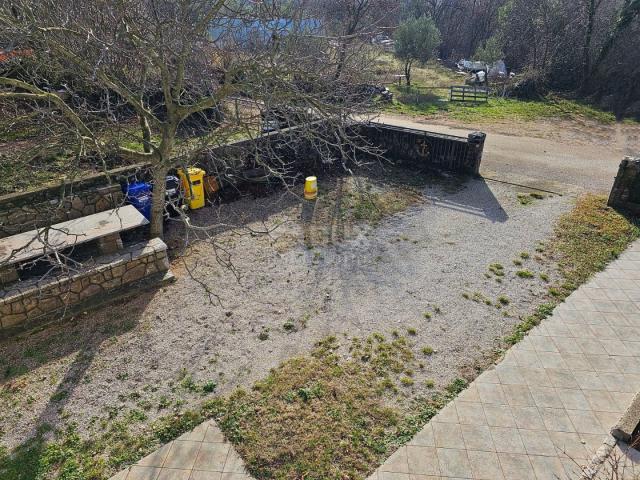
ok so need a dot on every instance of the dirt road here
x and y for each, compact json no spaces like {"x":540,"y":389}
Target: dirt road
{"x":582,"y":155}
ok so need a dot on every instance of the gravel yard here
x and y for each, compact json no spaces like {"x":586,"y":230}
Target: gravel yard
{"x":410,"y":272}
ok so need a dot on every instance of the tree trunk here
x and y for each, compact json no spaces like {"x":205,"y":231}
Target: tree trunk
{"x":407,"y":72}
{"x":586,"y":48}
{"x":342,"y":58}
{"x":158,"y":201}
{"x":146,"y":134}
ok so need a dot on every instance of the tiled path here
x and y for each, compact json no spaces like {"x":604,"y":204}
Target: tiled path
{"x":540,"y":414}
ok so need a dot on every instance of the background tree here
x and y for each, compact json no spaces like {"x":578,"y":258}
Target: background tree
{"x":490,"y":52}
{"x":416,"y":41}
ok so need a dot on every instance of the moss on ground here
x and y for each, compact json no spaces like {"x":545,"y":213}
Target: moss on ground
{"x":318,"y":416}
{"x":323,"y":417}
{"x":585,"y":240}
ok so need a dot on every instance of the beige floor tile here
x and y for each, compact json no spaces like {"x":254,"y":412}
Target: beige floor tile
{"x":547,"y":468}
{"x":174,"y":474}
{"x":553,"y":360}
{"x":200,"y":475}
{"x":143,"y":473}
{"x":576,"y":362}
{"x":499,"y":416}
{"x":397,"y":462}
{"x":393,"y":476}
{"x":447,"y":435}
{"x":528,"y":418}
{"x":182,"y":455}
{"x":491,"y":394}
{"x":470,"y":394}
{"x":122,"y":475}
{"x":566,"y":345}
{"x":212,"y":457}
{"x":447,"y":415}
{"x":585,"y":421}
{"x":537,"y":442}
{"x":156,"y":459}
{"x":195,"y":435}
{"x":560,"y":378}
{"x":569,"y":445}
{"x":607,"y":419}
{"x":546,"y":397}
{"x":537,"y":377}
{"x":213,"y":434}
{"x":422,"y":460}
{"x":556,"y":420}
{"x":424,"y":437}
{"x":477,"y":437}
{"x":234,"y":463}
{"x":573,"y":399}
{"x":544,"y":344}
{"x":588,"y":380}
{"x":527,"y":358}
{"x":602,"y":364}
{"x":510,"y":375}
{"x":507,"y":440}
{"x":601,"y":400}
{"x":488,"y":376}
{"x":516,"y":467}
{"x":591,"y":346}
{"x":485,"y":465}
{"x":518,"y":395}
{"x":454,"y":463}
{"x":470,"y":413}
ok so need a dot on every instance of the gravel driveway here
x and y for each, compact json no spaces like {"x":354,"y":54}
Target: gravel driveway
{"x":383,"y":278}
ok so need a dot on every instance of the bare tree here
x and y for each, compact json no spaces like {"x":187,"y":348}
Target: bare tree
{"x":172,"y":67}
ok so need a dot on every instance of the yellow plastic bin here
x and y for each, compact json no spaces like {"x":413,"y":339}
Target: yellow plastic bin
{"x":194,"y":196}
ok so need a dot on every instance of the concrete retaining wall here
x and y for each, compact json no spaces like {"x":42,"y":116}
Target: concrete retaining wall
{"x":625,"y":193}
{"x":27,"y":302}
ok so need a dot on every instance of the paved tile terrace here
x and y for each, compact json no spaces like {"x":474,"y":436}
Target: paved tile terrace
{"x":542,"y":413}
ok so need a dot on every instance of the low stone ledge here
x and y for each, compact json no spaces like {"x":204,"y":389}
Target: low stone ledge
{"x":623,"y":430}
{"x":32,"y":301}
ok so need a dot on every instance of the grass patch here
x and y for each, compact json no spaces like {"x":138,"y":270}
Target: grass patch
{"x":525,"y":274}
{"x":344,"y":429}
{"x":589,"y":237}
{"x":585,"y":241}
{"x":430,"y":98}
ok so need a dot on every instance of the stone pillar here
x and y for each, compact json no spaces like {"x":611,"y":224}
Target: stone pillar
{"x":110,"y":244}
{"x":8,"y":274}
{"x":474,"y":157}
{"x":626,"y":187}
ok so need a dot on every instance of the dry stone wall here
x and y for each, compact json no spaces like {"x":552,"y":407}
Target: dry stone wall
{"x":24,"y":303}
{"x":21,"y":212}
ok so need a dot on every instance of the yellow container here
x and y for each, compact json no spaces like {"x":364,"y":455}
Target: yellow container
{"x":311,"y":188}
{"x":194,"y":194}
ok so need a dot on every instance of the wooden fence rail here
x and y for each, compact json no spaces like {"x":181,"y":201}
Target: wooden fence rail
{"x":465,"y":93}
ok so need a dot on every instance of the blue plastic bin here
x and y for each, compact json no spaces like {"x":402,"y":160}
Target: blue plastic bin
{"x":138,"y":194}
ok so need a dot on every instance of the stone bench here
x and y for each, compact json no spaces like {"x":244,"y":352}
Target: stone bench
{"x":34,"y":301}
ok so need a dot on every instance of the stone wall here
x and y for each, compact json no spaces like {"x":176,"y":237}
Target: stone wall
{"x":427,"y":150}
{"x":625,"y":193}
{"x":287,"y":151}
{"x":29,"y":302}
{"x":21,"y":212}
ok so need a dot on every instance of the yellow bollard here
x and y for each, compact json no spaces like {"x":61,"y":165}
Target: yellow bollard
{"x":311,"y":188}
